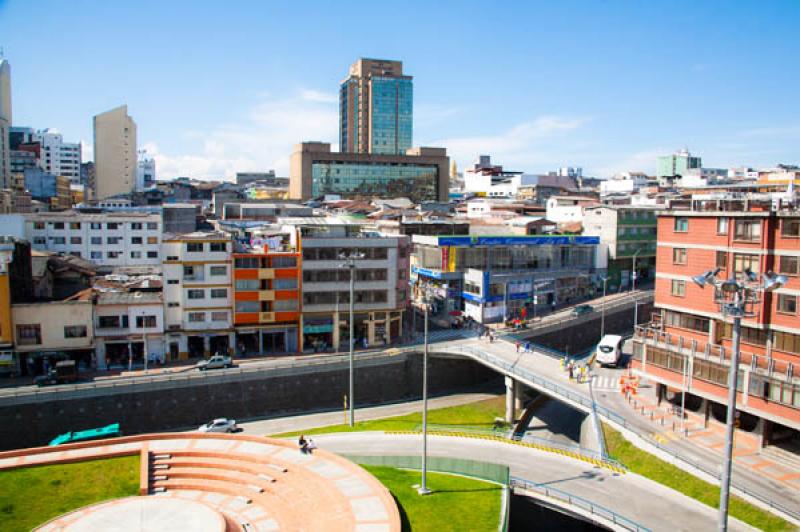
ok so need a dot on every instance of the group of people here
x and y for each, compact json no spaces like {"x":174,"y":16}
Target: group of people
{"x":579,"y":372}
{"x":486,"y":333}
{"x":307,"y":446}
{"x":526,"y":347}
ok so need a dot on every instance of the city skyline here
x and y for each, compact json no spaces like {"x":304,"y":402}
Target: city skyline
{"x":605,"y":87}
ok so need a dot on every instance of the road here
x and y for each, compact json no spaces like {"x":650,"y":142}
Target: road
{"x":632,"y":496}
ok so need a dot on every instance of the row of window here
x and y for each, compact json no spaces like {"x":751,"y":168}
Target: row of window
{"x":199,"y":293}
{"x":95,"y":240}
{"x":197,"y":273}
{"x":200,"y":317}
{"x":264,"y":262}
{"x":32,"y":334}
{"x":332,"y":298}
{"x":264,"y":284}
{"x":326,"y":276}
{"x":281,"y":305}
{"x":743,"y":230}
{"x":199,"y":247}
{"x":116,"y":322}
{"x":337,"y":253}
{"x":786,"y":303}
{"x":111,"y":226}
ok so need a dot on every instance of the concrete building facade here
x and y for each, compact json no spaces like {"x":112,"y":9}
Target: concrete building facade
{"x":129,"y":328}
{"x":5,"y":122}
{"x":114,"y":153}
{"x":421,"y":174}
{"x":58,"y":157}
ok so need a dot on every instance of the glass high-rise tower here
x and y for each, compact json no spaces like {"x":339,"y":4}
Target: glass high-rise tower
{"x":376,"y":108}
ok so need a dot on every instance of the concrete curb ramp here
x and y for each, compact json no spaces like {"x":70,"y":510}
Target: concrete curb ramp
{"x":248,"y":482}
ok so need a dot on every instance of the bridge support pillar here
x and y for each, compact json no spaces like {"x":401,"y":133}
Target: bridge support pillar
{"x":511,"y":399}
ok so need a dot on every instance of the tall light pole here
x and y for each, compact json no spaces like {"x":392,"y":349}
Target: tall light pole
{"x":603,"y":312}
{"x":423,"y":490}
{"x":350,"y":262}
{"x":634,"y":275}
{"x":735,"y":299}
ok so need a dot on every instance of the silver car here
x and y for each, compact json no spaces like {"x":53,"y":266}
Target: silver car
{"x":219,"y":425}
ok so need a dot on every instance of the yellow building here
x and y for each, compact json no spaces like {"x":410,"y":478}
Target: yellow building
{"x":6,"y":333}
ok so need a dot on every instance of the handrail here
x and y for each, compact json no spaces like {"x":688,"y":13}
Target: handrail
{"x":579,"y":502}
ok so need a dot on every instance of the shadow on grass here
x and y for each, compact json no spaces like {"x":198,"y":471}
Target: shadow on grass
{"x":405,"y":524}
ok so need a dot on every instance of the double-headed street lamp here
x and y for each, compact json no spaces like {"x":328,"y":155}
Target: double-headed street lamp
{"x":350,"y":262}
{"x":736,"y":299}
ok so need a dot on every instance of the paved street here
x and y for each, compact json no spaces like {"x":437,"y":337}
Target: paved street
{"x":629,"y":495}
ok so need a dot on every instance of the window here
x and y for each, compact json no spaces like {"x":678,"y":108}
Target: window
{"x":246,"y":262}
{"x":58,"y":240}
{"x":722,"y":260}
{"x":247,"y":284}
{"x":136,"y":254}
{"x":97,"y":240}
{"x":58,"y":225}
{"x":749,"y":334}
{"x":38,"y":225}
{"x":678,"y":288}
{"x":75,"y":254}
{"x":75,"y":225}
{"x":136,"y":226}
{"x":722,"y":226}
{"x":218,"y":271}
{"x":284,"y":305}
{"x":681,"y":225}
{"x":173,"y":304}
{"x":152,"y":254}
{"x":112,"y":226}
{"x":172,"y":258}
{"x":196,"y":317}
{"x":787,"y":342}
{"x":284,"y":262}
{"x":788,"y":265}
{"x":218,"y":246}
{"x":75,"y":331}
{"x":219,"y":316}
{"x":145,"y":321}
{"x":741,"y":262}
{"x":29,"y":334}
{"x":136,"y":240}
{"x":152,"y":226}
{"x":790,"y":227}
{"x":679,"y":256}
{"x":97,"y":255}
{"x":113,"y":240}
{"x":96,"y":226}
{"x":40,"y":240}
{"x":787,"y":304}
{"x":218,"y":293}
{"x":108,"y":322}
{"x":172,"y":281}
{"x":686,"y":321}
{"x":75,"y":240}
{"x":113,"y":254}
{"x":747,"y":230}
{"x":152,"y":240}
{"x":194,"y":247}
{"x":196,"y":294}
{"x":248,"y":306}
{"x":284,"y":284}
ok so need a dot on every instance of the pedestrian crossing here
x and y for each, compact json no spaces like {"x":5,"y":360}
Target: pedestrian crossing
{"x":605,"y":382}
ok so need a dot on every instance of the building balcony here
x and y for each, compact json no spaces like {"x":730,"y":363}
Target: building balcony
{"x":266,"y":317}
{"x":266,"y":295}
{"x":266,"y":273}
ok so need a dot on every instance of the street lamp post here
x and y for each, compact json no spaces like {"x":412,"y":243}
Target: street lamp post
{"x":603,"y":312}
{"x":423,"y":490}
{"x":634,"y":275}
{"x":735,"y":299}
{"x":350,"y":262}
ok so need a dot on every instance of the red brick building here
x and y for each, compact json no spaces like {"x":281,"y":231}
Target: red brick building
{"x":689,"y":340}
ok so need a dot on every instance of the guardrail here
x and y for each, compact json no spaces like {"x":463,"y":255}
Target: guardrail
{"x":579,"y":502}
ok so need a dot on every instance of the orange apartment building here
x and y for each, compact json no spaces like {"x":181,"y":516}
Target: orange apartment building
{"x":266,"y":286}
{"x":688,"y":343}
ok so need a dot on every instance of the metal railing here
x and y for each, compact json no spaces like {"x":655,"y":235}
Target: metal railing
{"x":579,"y":502}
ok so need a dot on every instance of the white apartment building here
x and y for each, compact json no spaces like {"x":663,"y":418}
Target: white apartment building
{"x":197,"y":295}
{"x":58,"y":157}
{"x":107,"y":239}
{"x":114,"y":153}
{"x":381,"y":281}
{"x":145,"y":172}
{"x":565,"y":209}
{"x":128,"y":327}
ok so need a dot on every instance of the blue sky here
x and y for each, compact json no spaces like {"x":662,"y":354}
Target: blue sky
{"x":217,"y":87}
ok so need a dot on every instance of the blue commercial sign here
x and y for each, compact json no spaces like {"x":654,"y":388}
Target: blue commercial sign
{"x":536,"y":240}
{"x":426,"y":272}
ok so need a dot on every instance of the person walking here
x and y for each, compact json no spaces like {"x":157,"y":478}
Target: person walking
{"x":303,"y":444}
{"x":516,"y":344}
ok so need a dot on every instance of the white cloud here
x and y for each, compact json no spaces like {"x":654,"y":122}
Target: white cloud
{"x":642,"y":161}
{"x":524,"y":145}
{"x":261,"y":142}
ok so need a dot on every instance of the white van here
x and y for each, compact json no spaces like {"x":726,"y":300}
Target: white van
{"x":609,"y":350}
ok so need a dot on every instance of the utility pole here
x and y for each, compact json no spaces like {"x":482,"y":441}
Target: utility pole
{"x":423,"y":490}
{"x":350,"y":262}
{"x":603,"y":312}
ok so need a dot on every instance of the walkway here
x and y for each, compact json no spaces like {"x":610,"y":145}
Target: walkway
{"x":630,"y":495}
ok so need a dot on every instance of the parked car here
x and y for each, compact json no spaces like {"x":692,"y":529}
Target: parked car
{"x":580,"y":310}
{"x":609,"y":350}
{"x":222,"y":424}
{"x":215,"y":362}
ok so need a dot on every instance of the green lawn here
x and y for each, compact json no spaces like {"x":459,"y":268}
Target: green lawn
{"x":649,"y":466}
{"x":32,"y":495}
{"x":457,"y":503}
{"x":478,"y":415}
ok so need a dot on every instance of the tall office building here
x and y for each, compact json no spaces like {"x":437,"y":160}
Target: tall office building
{"x":5,"y":123}
{"x":59,"y":157}
{"x":114,"y":153}
{"x":376,"y":108}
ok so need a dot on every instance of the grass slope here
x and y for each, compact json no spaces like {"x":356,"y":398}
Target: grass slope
{"x":649,"y":466}
{"x":457,"y":503}
{"x":478,"y":415}
{"x":32,"y":495}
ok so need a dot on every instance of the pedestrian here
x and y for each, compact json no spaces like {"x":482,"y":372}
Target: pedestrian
{"x":366,"y":343}
{"x":516,"y":344}
{"x":310,"y":446}
{"x":570,"y":369}
{"x":527,"y":347}
{"x":303,"y":444}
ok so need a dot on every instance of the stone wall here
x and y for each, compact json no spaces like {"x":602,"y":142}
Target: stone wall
{"x":307,"y":389}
